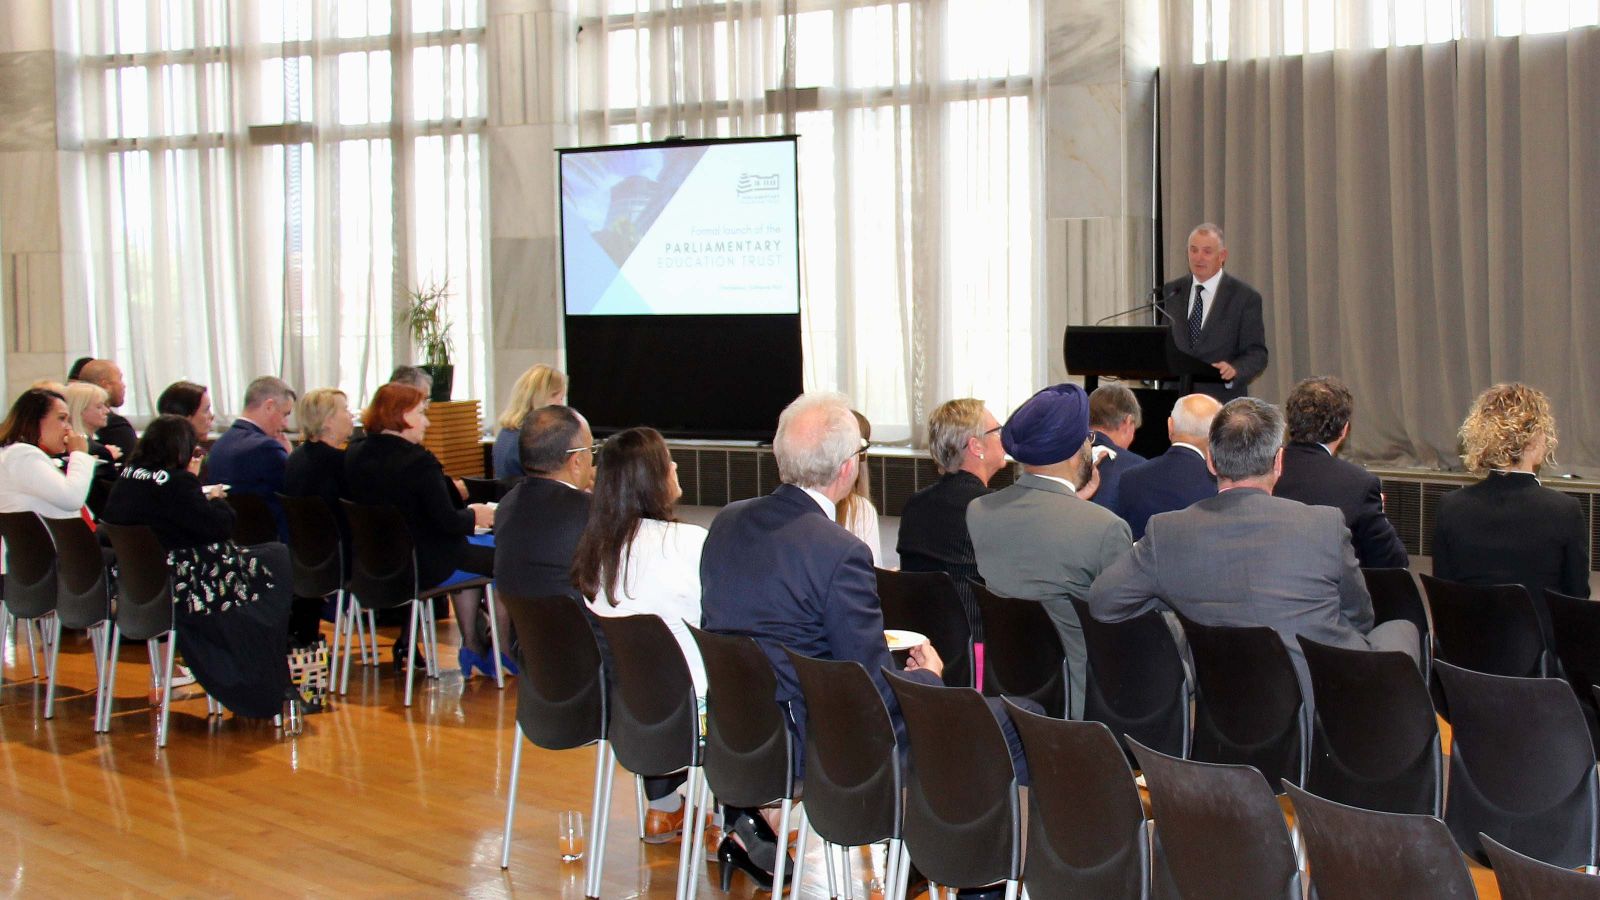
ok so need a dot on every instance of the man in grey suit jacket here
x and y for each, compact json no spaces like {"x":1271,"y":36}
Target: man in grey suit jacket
{"x":1245,"y":557}
{"x":1226,"y":329}
{"x":1040,"y":539}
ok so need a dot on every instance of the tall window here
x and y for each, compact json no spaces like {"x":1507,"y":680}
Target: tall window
{"x":263,"y":183}
{"x":918,"y":165}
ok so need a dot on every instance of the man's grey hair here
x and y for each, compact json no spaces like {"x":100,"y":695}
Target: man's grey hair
{"x":1211,"y":229}
{"x":950,"y":427}
{"x":1193,"y":414}
{"x":1110,"y":404}
{"x":810,"y":457}
{"x":413,"y":376}
{"x":267,"y":387}
{"x":1245,"y":438}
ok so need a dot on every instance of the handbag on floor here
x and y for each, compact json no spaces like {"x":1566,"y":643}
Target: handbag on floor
{"x":308,"y":672}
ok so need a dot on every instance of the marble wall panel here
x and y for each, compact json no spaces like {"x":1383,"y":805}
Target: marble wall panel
{"x":525,"y":291}
{"x":1083,"y":151}
{"x":531,"y":59}
{"x":1083,"y":41}
{"x":28,"y":100}
{"x":522,"y":179}
{"x":23,"y":369}
{"x":26,"y":25}
{"x":1141,"y":43}
{"x":33,"y":302}
{"x":30,"y":204}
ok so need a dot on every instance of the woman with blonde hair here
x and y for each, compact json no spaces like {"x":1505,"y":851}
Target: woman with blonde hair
{"x":1508,"y":528}
{"x":538,"y":387}
{"x":856,"y":512}
{"x":88,"y":408}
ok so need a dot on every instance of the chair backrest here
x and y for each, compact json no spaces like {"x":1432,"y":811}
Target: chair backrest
{"x":561,"y":685}
{"x":1375,"y":740}
{"x":655,"y":717}
{"x":1576,"y":623}
{"x":928,"y":603}
{"x":1522,"y":877}
{"x":30,"y":578}
{"x":853,"y":776}
{"x":144,"y":581}
{"x":1522,"y":769}
{"x":316,"y":553}
{"x":963,"y":819}
{"x":1486,"y":628}
{"x":1395,"y":596}
{"x":1220,"y":829}
{"x":82,"y":595}
{"x":482,"y":490}
{"x":1357,"y":854}
{"x":749,"y":754}
{"x":1022,"y":653}
{"x":253,"y":522}
{"x":384,"y":570}
{"x":1086,"y":825}
{"x":1135,"y":681}
{"x":1247,"y":701}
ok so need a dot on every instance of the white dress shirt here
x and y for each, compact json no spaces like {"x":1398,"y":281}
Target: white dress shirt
{"x":30,"y":481}
{"x":660,"y":576}
{"x":1206,"y":300}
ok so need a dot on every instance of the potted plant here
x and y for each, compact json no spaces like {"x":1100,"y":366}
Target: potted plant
{"x":429,"y":323}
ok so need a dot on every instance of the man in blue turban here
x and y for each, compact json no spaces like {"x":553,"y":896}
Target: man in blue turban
{"x":1040,"y":539}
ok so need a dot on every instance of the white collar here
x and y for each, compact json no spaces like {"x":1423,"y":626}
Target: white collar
{"x":1189,"y":446}
{"x":827,"y":505}
{"x":1326,"y":448}
{"x":1210,"y":284}
{"x":1061,"y":481}
{"x":1536,"y":478}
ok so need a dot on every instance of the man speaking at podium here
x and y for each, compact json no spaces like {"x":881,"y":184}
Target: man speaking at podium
{"x":1216,"y":318}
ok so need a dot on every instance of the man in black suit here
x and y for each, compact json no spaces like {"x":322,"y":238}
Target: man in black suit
{"x":1114,"y":417}
{"x":1216,"y":318}
{"x":1178,"y":477}
{"x":1318,"y":410}
{"x":116,"y":432}
{"x":538,"y":524}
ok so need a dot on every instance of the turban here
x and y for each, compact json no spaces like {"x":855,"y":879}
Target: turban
{"x":1049,"y":428}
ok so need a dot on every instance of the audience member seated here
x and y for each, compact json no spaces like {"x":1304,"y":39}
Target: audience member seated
{"x":38,"y":428}
{"x":1318,"y":410}
{"x":856,"y":513}
{"x":414,"y":376}
{"x":190,"y":401}
{"x":537,"y":388}
{"x":116,"y":432}
{"x":634,"y":558}
{"x":231,"y":605}
{"x":316,"y":467}
{"x":250,"y":456}
{"x":1245,"y":557}
{"x":541,"y":521}
{"x":1177,"y":477}
{"x":1040,"y":539}
{"x":964,"y":438}
{"x":1114,"y":417}
{"x":87,"y":411}
{"x":76,"y":372}
{"x":1508,"y":528}
{"x":390,"y":467}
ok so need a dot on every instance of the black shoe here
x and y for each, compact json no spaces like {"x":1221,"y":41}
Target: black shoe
{"x":731,"y":856}
{"x":400,"y":652}
{"x":760,"y":843}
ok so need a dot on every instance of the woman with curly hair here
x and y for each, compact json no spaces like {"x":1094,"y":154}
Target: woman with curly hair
{"x":1508,"y":528}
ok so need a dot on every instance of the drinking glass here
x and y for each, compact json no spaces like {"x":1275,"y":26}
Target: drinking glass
{"x":569,"y":835}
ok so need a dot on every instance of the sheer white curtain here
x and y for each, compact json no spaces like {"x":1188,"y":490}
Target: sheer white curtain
{"x":919,"y":162}
{"x":263,"y":182}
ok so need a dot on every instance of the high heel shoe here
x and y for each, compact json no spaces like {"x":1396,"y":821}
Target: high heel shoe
{"x":509,"y":665}
{"x":731,"y":856}
{"x":760,"y":843}
{"x":469,"y":659}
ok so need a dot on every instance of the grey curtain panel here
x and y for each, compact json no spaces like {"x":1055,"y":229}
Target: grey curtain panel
{"x":1423,"y":222}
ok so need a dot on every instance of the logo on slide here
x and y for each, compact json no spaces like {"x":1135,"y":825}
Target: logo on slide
{"x":757,"y":188}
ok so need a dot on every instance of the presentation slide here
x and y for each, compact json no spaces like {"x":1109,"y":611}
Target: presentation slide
{"x":681,"y":229}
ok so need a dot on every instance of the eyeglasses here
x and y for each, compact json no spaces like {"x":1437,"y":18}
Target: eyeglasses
{"x":994,"y":430}
{"x":865,"y":446}
{"x":595,"y":448}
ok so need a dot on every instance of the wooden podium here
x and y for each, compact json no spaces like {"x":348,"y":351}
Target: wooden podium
{"x":454,"y":436}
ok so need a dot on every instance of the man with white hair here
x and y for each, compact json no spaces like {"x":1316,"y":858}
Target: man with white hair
{"x":1178,"y":477}
{"x":1216,"y":318}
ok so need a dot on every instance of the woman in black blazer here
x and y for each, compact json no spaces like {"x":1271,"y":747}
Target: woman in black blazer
{"x":316,"y":469}
{"x":390,"y":467}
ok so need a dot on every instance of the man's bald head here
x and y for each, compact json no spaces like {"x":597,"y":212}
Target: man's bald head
{"x":1191,"y":419}
{"x":108,"y":375}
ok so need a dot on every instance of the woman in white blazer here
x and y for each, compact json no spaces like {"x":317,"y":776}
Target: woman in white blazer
{"x":37,"y":429}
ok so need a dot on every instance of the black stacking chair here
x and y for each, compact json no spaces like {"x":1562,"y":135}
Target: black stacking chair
{"x":30,"y":591}
{"x":1492,"y":628}
{"x":749,"y":751}
{"x":963,"y":818}
{"x":1135,"y":682}
{"x":83,"y":600}
{"x":1087,"y":834}
{"x":1356,"y":854}
{"x":1375,"y":740}
{"x":1022,"y":654}
{"x":253,"y":522}
{"x":1219,"y":832}
{"x":1395,"y":596}
{"x":853,"y":773}
{"x":561,"y":704}
{"x":144,"y":612}
{"x":1522,"y":877}
{"x":927,"y":603}
{"x":316,"y":553}
{"x":1522,"y":769}
{"x":654,"y":721}
{"x":1248,"y":708}
{"x":1576,"y":622}
{"x":483,"y":490}
{"x":384,"y":576}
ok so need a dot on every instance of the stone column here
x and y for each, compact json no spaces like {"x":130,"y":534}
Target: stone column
{"x":532,"y":49}
{"x":1099,"y":121}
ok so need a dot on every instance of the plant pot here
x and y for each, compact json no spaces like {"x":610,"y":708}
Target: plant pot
{"x":443,"y":376}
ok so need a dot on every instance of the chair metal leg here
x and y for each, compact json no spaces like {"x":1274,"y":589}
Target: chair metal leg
{"x":605,"y":766}
{"x":98,"y":649}
{"x":166,"y":690}
{"x":1011,"y":889}
{"x":698,"y":833}
{"x":430,"y":640}
{"x":903,"y":872}
{"x":54,"y":650}
{"x":339,"y":624}
{"x":844,"y":869}
{"x":411,"y":651}
{"x":33,"y":652}
{"x":5,"y":628}
{"x":827,"y":863}
{"x":800,"y":851}
{"x":353,"y":611}
{"x":639,"y":801}
{"x":112,"y":646}
{"x":494,"y":637}
{"x":372,"y":658}
{"x":511,"y":796}
{"x":783,"y":847}
{"x":686,"y":850}
{"x":891,"y":866}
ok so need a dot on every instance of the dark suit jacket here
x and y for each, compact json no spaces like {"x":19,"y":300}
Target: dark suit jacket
{"x":777,"y":569}
{"x":934,"y":536}
{"x":1316,"y":477}
{"x":1233,"y":332}
{"x":536,"y":530}
{"x":249,"y":461}
{"x":118,"y":432}
{"x":1508,"y":529}
{"x":388,"y":470}
{"x":1173,"y":480}
{"x":1111,"y":473}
